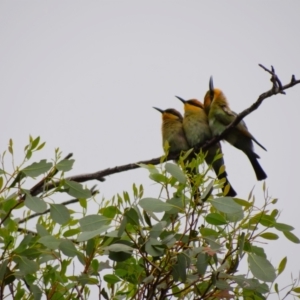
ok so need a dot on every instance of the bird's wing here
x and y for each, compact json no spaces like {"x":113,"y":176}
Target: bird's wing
{"x":229,"y":116}
{"x":225,"y":116}
{"x":243,"y":129}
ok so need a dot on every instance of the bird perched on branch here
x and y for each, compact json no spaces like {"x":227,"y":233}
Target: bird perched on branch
{"x":173,"y":133}
{"x":172,"y":130}
{"x":197,"y":131}
{"x":220,"y":116}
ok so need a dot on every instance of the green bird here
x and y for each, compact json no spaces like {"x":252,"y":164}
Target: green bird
{"x":197,"y":131}
{"x":173,"y":133}
{"x":220,"y":116}
{"x":172,"y":130}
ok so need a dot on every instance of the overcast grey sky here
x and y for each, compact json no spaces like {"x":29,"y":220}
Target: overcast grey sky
{"x":85,"y":75}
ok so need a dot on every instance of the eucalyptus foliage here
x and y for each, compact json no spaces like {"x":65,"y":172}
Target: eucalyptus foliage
{"x":134,"y":246}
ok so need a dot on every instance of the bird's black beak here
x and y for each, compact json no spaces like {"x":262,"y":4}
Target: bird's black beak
{"x":182,"y":100}
{"x":211,"y":88}
{"x":160,"y":110}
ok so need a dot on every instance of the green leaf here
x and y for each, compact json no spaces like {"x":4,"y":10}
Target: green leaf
{"x":154,"y":248}
{"x":37,"y":293}
{"x":10,"y":146}
{"x":257,"y":250}
{"x":34,"y":143}
{"x":261,"y":268}
{"x":226,"y":205}
{"x":65,"y":165}
{"x":176,"y":172}
{"x":269,"y":236}
{"x":222,"y":285}
{"x":282,"y":265}
{"x":132,"y":216}
{"x":85,"y":279}
{"x":154,"y":205}
{"x":150,"y":168}
{"x":208,"y":232}
{"x":158,"y":177}
{"x":283,"y":227}
{"x":119,"y":248}
{"x":71,"y":232}
{"x":59,"y":213}
{"x":243,"y":202}
{"x":87,"y":235}
{"x":182,"y":263}
{"x":202,"y":263}
{"x":50,"y":242}
{"x":3,"y":269}
{"x":41,"y":146}
{"x":36,"y":204}
{"x":68,"y":248}
{"x":267,"y":221}
{"x":1,"y":182}
{"x":296,"y":290}
{"x":109,"y":211}
{"x":177,"y":204}
{"x":110,"y":278}
{"x":93,"y":222}
{"x":235,"y":217}
{"x":241,"y":243}
{"x":26,"y":266}
{"x":215,"y":219}
{"x":208,"y":191}
{"x":76,"y":189}
{"x":37,"y":169}
{"x":157,"y":229}
{"x":290,"y":236}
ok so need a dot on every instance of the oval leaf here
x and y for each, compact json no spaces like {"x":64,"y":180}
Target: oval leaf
{"x":87,"y":235}
{"x":110,"y":278}
{"x":261,"y":268}
{"x":36,"y":204}
{"x":37,"y":169}
{"x":93,"y":222}
{"x":226,"y":205}
{"x":290,"y":236}
{"x":269,"y":236}
{"x":176,"y":172}
{"x":59,"y":213}
{"x":67,"y":248}
{"x":215,"y":219}
{"x":155,"y":205}
{"x":119,"y":248}
{"x":26,"y":265}
{"x":282,"y":265}
{"x":65,"y":165}
{"x":76,"y":189}
{"x":50,"y":242}
{"x":283,"y":227}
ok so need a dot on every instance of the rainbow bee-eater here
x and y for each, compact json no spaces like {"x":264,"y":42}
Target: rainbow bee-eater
{"x":173,"y":133}
{"x":197,"y":131}
{"x":220,"y":116}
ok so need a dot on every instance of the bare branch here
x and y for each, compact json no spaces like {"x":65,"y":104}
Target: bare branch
{"x":277,"y":88}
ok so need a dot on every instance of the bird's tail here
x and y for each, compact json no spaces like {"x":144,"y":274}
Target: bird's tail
{"x":259,"y":172}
